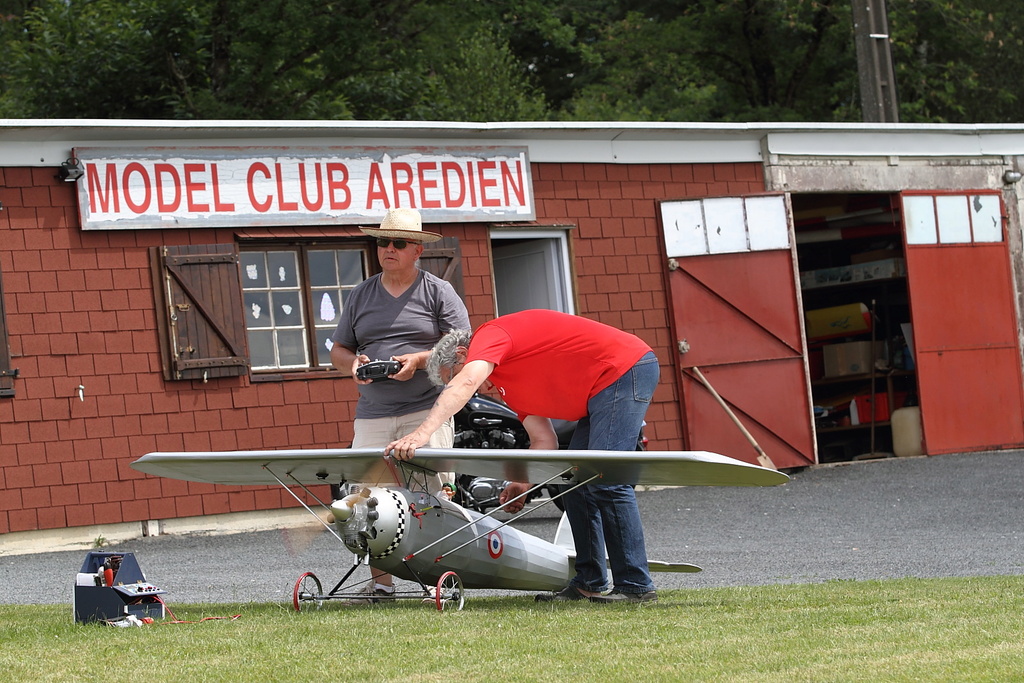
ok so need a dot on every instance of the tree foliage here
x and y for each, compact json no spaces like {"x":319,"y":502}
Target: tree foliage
{"x":641,"y":60}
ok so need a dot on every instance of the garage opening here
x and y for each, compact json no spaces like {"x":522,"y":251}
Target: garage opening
{"x":850,"y":254}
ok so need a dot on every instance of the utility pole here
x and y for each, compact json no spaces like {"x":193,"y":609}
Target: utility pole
{"x":878,"y":100}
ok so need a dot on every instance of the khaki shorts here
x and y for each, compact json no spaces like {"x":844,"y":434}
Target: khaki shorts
{"x":379,"y":432}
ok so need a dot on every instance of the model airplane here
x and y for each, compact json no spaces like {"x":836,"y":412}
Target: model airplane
{"x":422,"y":536}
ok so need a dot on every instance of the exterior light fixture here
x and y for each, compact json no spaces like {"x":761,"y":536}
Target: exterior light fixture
{"x":1011,"y":177}
{"x":71,"y":170}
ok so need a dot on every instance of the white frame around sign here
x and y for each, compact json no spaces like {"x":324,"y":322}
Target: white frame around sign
{"x":157,"y":188}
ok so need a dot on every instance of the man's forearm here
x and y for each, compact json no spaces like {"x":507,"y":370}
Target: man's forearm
{"x":449,"y":402}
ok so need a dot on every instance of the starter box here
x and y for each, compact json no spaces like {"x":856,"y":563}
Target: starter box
{"x":110,"y":586}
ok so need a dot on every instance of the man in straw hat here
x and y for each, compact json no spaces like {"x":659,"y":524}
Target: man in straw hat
{"x":399,"y":315}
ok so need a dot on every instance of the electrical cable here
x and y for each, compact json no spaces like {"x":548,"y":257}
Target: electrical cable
{"x":175,"y":620}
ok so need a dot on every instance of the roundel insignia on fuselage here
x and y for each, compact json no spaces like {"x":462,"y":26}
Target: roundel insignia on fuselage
{"x":495,"y":545}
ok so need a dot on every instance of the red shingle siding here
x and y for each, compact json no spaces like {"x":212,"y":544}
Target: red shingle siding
{"x":81,"y":311}
{"x":619,"y":278}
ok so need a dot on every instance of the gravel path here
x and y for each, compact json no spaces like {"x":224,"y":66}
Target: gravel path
{"x":950,"y":515}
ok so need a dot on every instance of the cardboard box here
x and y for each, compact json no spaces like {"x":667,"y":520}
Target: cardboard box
{"x":837,"y":321}
{"x":857,"y":272}
{"x":879,"y":270}
{"x":826,"y":276}
{"x":851,"y":358}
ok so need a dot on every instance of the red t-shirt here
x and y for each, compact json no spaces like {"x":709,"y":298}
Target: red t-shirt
{"x":551,"y":364}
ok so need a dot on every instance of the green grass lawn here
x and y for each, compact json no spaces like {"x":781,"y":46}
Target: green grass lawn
{"x":902,"y":630}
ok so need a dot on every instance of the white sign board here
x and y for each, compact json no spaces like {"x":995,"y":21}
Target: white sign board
{"x":242,"y":186}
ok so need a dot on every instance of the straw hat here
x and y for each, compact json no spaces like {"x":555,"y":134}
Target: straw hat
{"x":402,"y":224}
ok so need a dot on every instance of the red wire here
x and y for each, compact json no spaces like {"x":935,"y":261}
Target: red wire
{"x":175,"y":620}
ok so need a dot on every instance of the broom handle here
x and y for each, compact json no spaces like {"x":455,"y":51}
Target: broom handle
{"x":763,"y":457}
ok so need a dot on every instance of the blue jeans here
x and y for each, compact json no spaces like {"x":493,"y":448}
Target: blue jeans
{"x":604,"y":516}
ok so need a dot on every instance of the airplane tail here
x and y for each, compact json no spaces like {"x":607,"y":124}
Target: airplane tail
{"x":563,"y":536}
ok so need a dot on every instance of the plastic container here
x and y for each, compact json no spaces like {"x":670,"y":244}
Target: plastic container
{"x":906,"y":432}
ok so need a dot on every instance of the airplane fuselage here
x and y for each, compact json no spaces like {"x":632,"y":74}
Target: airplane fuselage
{"x":402,"y":532}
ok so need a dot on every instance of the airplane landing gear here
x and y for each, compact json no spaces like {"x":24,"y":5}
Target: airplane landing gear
{"x":308,"y":593}
{"x":449,"y":591}
{"x":307,"y":589}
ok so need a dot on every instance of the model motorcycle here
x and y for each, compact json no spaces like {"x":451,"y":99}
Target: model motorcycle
{"x":486,"y":423}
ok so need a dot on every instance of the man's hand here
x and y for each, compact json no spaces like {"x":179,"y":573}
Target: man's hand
{"x":513,"y":490}
{"x":405,"y":448}
{"x":360,"y":359}
{"x":411,"y":362}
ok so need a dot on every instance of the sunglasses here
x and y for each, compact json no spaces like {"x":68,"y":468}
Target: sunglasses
{"x":383,"y":243}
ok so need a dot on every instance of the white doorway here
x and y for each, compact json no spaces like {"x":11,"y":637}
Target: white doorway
{"x":531,"y":270}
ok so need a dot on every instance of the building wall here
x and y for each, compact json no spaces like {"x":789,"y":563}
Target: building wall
{"x":80,"y":311}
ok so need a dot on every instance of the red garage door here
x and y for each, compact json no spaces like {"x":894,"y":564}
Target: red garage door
{"x":736,"y":315}
{"x":964,"y":322}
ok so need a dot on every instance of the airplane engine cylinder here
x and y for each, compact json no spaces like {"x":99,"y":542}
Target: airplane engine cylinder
{"x":372,"y":521}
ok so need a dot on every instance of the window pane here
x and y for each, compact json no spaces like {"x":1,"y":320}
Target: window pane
{"x":323,"y":346}
{"x":767,"y":224}
{"x":291,"y":345}
{"x":322,"y":272}
{"x":261,"y":349}
{"x":683,"y":223}
{"x":254,"y":270}
{"x":350,"y":267}
{"x":954,"y":220}
{"x":329,"y":309}
{"x":726,"y":226}
{"x":920,"y":220}
{"x":283,"y":269}
{"x":257,"y":310}
{"x":287,"y":310}
{"x":987,"y":218}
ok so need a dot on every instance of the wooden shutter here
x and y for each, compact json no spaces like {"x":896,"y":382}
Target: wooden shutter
{"x":7,"y":374}
{"x":201,"y":323}
{"x":444,"y":259}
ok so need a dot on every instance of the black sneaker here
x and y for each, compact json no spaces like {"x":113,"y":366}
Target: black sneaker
{"x":567,"y":593}
{"x":617,"y":596}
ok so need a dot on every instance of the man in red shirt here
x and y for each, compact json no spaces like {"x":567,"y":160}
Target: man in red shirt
{"x":545,"y":365}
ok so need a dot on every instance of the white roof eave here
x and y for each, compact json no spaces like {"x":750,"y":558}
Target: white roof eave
{"x":47,"y":142}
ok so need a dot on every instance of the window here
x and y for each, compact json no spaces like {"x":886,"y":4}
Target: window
{"x":292,"y":301}
{"x":725,"y":225}
{"x":230,"y":310}
{"x":953,"y":218}
{"x":532,"y":269}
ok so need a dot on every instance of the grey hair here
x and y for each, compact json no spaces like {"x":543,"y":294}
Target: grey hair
{"x":445,"y":354}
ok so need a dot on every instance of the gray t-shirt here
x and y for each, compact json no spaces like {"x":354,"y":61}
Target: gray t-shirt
{"x":381,"y":326}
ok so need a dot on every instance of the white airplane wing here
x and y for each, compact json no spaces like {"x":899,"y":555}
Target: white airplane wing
{"x":318,"y":466}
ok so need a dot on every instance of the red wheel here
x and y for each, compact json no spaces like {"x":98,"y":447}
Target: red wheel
{"x":449,"y":590}
{"x":307,"y":589}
